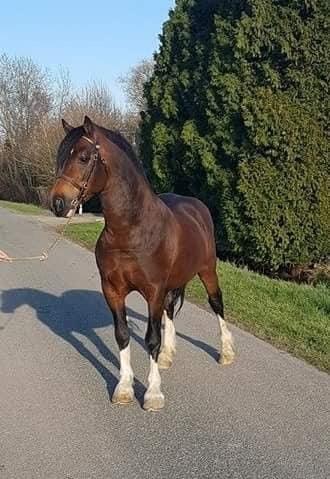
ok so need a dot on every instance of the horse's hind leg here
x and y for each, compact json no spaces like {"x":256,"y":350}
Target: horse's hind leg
{"x":211,"y":283}
{"x":154,"y":398}
{"x":165,"y":359}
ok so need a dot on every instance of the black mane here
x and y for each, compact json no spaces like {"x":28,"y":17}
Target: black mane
{"x":114,"y":136}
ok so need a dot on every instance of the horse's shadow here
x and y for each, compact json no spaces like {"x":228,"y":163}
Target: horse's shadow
{"x":81,"y":312}
{"x":74,"y":313}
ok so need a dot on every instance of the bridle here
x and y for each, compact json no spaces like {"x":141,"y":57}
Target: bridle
{"x":82,"y":186}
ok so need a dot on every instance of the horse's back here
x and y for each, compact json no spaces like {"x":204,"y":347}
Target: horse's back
{"x":187,"y":207}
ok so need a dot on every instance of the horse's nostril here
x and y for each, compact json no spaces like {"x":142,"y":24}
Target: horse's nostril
{"x":58,"y":205}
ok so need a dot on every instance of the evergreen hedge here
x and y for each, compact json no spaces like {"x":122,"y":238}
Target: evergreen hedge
{"x":237,"y":115}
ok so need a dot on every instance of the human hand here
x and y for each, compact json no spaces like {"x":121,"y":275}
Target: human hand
{"x":4,"y":256}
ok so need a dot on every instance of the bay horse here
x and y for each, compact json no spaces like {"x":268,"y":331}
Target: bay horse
{"x":153,"y":244}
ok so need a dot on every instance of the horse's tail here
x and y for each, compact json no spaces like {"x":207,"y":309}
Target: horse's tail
{"x":173,"y":298}
{"x":181,"y":296}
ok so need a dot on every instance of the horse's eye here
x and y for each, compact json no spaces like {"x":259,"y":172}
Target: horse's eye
{"x":83,"y":158}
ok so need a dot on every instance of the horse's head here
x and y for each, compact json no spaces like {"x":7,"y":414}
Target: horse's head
{"x":12,"y":299}
{"x":81,"y":171}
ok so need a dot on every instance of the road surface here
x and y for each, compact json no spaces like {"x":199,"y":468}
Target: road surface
{"x":266,"y":416}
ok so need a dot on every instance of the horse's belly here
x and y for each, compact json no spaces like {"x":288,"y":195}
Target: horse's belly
{"x":196,"y":245}
{"x":186,"y":266}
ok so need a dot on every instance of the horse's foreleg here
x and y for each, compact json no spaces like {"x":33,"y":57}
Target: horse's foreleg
{"x":154,"y":398}
{"x":124,"y":393}
{"x":210,"y":281}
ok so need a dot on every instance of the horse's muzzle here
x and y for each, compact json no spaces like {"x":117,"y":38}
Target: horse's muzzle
{"x":58,"y":206}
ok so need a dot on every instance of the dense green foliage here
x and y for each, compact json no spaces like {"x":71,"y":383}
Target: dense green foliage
{"x":237,"y":116}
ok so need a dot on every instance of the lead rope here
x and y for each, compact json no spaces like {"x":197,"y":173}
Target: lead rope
{"x":45,"y":254}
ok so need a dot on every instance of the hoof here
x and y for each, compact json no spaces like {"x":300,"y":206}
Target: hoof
{"x":165,"y":361}
{"x":123,"y":396}
{"x":226,"y":359}
{"x":154,"y":403}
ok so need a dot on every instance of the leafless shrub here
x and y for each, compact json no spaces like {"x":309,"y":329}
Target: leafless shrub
{"x":32,"y":102}
{"x":133,"y":84}
{"x":25,"y":103}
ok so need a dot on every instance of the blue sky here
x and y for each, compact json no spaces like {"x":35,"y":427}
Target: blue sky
{"x":93,"y":39}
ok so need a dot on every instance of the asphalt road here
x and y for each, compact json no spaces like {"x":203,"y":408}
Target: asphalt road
{"x":265,"y":416}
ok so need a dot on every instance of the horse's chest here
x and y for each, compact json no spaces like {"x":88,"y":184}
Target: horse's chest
{"x":127,"y":269}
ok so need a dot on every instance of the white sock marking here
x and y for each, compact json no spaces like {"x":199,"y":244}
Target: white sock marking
{"x":226,"y":339}
{"x":154,"y":380}
{"x":169,"y":336}
{"x":126,"y":371}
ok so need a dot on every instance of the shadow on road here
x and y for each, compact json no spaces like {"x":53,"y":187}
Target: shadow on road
{"x":75,"y":312}
{"x":81,"y":312}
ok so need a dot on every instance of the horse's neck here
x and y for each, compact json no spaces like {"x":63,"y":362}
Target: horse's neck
{"x":128,"y":200}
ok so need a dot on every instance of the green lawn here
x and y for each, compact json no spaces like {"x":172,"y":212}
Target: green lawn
{"x":23,"y":208}
{"x":85,"y":234}
{"x":293,"y":317}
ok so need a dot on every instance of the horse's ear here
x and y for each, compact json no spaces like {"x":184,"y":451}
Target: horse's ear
{"x":88,"y":126}
{"x":67,"y":128}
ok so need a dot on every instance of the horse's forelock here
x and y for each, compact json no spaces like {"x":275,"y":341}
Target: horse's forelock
{"x":67,"y":144}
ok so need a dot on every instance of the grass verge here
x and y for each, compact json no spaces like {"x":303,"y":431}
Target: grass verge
{"x":22,"y":208}
{"x":293,"y":317}
{"x":85,"y":234}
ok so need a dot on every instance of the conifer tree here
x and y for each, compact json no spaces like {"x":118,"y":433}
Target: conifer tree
{"x":237,"y":116}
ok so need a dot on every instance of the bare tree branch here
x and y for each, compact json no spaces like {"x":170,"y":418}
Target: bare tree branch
{"x":133,"y":84}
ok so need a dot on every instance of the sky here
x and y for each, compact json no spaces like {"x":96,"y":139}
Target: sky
{"x":94,"y":40}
